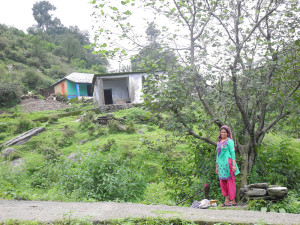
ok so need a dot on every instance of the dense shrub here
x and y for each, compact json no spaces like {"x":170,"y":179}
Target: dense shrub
{"x":289,"y":205}
{"x":130,"y":128}
{"x":2,"y":136}
{"x":136,"y":114}
{"x":23,"y":125}
{"x":3,"y":42}
{"x":204,"y":166}
{"x":68,"y":132}
{"x":15,"y":55}
{"x":115,"y":127}
{"x":101,"y":130}
{"x":50,"y":152}
{"x":67,"y":136}
{"x":3,"y":127}
{"x":108,"y":177}
{"x":91,"y":131}
{"x":53,"y":119}
{"x":55,"y":72}
{"x":10,"y":94}
{"x":31,"y":79}
{"x":278,"y":164}
{"x":109,"y":145}
{"x":9,"y":179}
{"x":86,"y":120}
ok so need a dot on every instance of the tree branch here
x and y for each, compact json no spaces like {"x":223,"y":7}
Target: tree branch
{"x":233,"y":67}
{"x":280,"y":113}
{"x":221,"y":22}
{"x":257,"y":25}
{"x":190,"y":130}
{"x":206,"y":22}
{"x":181,"y":15}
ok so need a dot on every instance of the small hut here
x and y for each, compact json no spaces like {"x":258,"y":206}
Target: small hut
{"x":75,"y":85}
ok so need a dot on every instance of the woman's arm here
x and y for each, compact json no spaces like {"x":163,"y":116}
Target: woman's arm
{"x":232,"y":154}
{"x":217,"y":168}
{"x":233,"y":166}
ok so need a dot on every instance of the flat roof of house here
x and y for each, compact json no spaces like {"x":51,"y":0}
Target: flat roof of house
{"x":116,"y":75}
{"x":86,"y":78}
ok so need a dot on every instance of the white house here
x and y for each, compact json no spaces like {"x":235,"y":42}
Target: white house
{"x":117,"y":88}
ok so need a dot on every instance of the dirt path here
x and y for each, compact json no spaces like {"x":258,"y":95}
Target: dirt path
{"x":99,"y":211}
{"x":32,"y":104}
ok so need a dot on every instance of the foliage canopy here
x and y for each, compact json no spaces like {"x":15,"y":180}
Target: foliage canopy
{"x":239,"y":65}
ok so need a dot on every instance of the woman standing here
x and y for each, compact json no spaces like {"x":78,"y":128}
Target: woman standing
{"x":226,"y":166}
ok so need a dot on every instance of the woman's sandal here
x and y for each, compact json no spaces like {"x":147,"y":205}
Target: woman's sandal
{"x":228,"y":204}
{"x":225,"y":204}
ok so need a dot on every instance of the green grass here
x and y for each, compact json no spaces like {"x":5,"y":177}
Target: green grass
{"x":145,"y":149}
{"x":147,"y":152}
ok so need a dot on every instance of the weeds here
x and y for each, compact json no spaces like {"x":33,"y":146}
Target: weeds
{"x":131,"y":128}
{"x":86,"y":120}
{"x":115,"y":127}
{"x":109,"y":145}
{"x":117,"y":166}
{"x":23,"y":125}
{"x":3,"y":127}
{"x":289,"y":205}
{"x":53,"y":119}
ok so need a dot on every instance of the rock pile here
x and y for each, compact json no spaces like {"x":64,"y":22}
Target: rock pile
{"x":263,"y":191}
{"x":23,"y":97}
{"x":104,"y":120}
{"x":116,"y":107}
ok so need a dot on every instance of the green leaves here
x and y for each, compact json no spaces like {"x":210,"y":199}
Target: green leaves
{"x":128,"y":13}
{"x":102,"y":177}
{"x":114,"y":8}
{"x":125,"y":2}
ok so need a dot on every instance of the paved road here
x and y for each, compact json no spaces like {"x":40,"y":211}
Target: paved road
{"x":99,"y":211}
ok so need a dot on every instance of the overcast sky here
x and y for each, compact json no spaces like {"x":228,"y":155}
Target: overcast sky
{"x":18,"y":13}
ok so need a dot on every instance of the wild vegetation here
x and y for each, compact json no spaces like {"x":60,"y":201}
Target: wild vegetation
{"x":236,"y":63}
{"x":162,"y":152}
{"x":135,"y":159}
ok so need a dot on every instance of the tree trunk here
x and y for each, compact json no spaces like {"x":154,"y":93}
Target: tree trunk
{"x":248,"y":155}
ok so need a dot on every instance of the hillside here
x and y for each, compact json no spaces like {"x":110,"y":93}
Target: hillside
{"x":34,"y":61}
{"x":128,"y":156}
{"x":136,"y":158}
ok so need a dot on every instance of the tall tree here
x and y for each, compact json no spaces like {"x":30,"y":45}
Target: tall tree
{"x":239,"y":65}
{"x":153,"y":55}
{"x":71,"y":46}
{"x":41,"y":13}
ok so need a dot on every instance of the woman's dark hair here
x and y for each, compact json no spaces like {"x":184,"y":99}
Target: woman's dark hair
{"x":223,"y":128}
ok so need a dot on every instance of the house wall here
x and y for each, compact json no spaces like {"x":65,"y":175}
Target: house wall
{"x":61,"y":88}
{"x":72,"y":91}
{"x":125,"y":88}
{"x":83,"y":89}
{"x":119,"y":87}
{"x":98,"y":94}
{"x":135,"y":88}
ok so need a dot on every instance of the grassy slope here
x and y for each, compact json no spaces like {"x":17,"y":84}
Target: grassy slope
{"x":133,"y":144}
